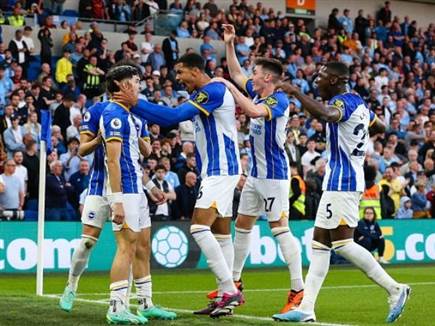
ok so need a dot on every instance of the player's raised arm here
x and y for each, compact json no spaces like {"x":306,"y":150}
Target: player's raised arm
{"x":251,"y":109}
{"x":234,"y":68}
{"x":315,"y":108}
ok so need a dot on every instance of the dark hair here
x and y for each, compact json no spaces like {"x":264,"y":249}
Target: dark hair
{"x":372,"y":209}
{"x":192,"y":60}
{"x":118,"y":74}
{"x":338,"y":68}
{"x":160,"y":167}
{"x":272,"y":66}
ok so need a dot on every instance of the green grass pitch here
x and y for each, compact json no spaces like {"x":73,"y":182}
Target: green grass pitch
{"x":347,"y":298}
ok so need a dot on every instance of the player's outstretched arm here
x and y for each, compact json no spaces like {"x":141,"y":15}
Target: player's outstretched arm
{"x":88,"y":143}
{"x":234,"y":67}
{"x":248,"y":107}
{"x":315,"y":108}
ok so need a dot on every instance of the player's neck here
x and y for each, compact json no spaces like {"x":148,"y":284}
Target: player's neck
{"x":203,"y":80}
{"x":124,"y":105}
{"x":267,"y":91}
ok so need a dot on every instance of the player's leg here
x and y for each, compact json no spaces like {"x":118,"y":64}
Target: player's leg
{"x":343,"y":244}
{"x":126,"y":236}
{"x":215,"y":198}
{"x":249,"y":209}
{"x":94,"y":215}
{"x":143,"y":281}
{"x":221,"y":229}
{"x":276,"y":206}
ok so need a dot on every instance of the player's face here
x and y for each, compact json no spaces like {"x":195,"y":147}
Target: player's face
{"x":186,"y":76}
{"x":258,"y":79}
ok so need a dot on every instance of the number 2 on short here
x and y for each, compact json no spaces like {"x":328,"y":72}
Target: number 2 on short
{"x":268,"y":203}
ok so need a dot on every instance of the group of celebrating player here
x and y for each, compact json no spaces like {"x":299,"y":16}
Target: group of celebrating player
{"x":116,"y":132}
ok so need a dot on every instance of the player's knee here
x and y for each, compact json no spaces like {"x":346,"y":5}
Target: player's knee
{"x":88,"y":242}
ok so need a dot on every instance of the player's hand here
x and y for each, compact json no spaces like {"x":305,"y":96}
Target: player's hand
{"x":288,"y":88}
{"x":99,"y":138}
{"x":229,"y":33}
{"x":118,"y":215}
{"x":221,"y":80}
{"x":159,"y":195}
{"x":125,"y":93}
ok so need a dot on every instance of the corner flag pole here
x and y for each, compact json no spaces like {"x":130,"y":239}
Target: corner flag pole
{"x":44,"y":147}
{"x":41,"y":219}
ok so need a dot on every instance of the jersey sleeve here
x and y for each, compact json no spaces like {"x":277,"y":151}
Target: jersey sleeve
{"x":276,"y":105}
{"x":144,"y":134}
{"x":90,"y":122}
{"x":209,"y":98}
{"x":114,"y":125}
{"x":249,"y":88}
{"x":345,"y":104}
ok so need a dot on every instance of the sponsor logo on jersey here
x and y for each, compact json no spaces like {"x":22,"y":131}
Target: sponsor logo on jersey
{"x":201,"y":97}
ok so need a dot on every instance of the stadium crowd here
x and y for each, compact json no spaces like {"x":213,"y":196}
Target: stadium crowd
{"x":392,"y":64}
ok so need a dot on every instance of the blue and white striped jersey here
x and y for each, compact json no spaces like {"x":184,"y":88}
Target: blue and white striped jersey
{"x":90,"y":125}
{"x":217,"y":152}
{"x":267,"y":136}
{"x":117,"y":123}
{"x":346,"y":144}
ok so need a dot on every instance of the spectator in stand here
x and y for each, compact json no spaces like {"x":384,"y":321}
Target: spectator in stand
{"x":157,"y":59}
{"x":12,"y":198}
{"x":186,"y":197}
{"x":420,"y":204}
{"x":20,"y":170}
{"x":405,"y":211}
{"x":369,"y":235}
{"x":79,"y":181}
{"x":20,"y":51}
{"x":44,"y":36}
{"x":93,"y":78}
{"x":297,"y":194}
{"x":146,"y":47}
{"x":119,"y":10}
{"x":189,"y":166}
{"x":57,"y":193}
{"x":211,"y":7}
{"x":384,"y":13}
{"x":171,"y":177}
{"x":346,"y":21}
{"x":333,"y":22}
{"x":71,"y":159}
{"x":6,"y":86}
{"x":140,"y":11}
{"x":395,"y":187}
{"x":170,"y":50}
{"x":73,"y":131}
{"x":162,"y":212}
{"x":85,"y":8}
{"x":13,"y":137}
{"x":64,"y":68}
{"x":31,"y":163}
{"x":62,"y":115}
{"x":308,"y":156}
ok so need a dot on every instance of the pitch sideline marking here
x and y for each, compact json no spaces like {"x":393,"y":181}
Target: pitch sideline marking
{"x":332,"y":287}
{"x":100,"y":302}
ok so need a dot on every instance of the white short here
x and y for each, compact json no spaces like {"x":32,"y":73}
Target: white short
{"x":96,"y":211}
{"x":137,"y":215}
{"x":338,"y":208}
{"x":265,"y":196}
{"x":218,"y":192}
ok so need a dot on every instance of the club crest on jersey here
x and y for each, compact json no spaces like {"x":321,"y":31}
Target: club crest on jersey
{"x":87,"y":117}
{"x":201,"y":97}
{"x":339,"y":104}
{"x":116,"y":123}
{"x":271,"y":101}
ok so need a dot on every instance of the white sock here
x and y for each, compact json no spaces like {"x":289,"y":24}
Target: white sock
{"x":242,"y":244}
{"x":144,"y":292}
{"x":118,"y":295}
{"x":292,"y":255}
{"x":365,"y":261}
{"x":226,"y":243}
{"x":317,"y":272}
{"x":79,"y":261}
{"x":215,"y":258}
